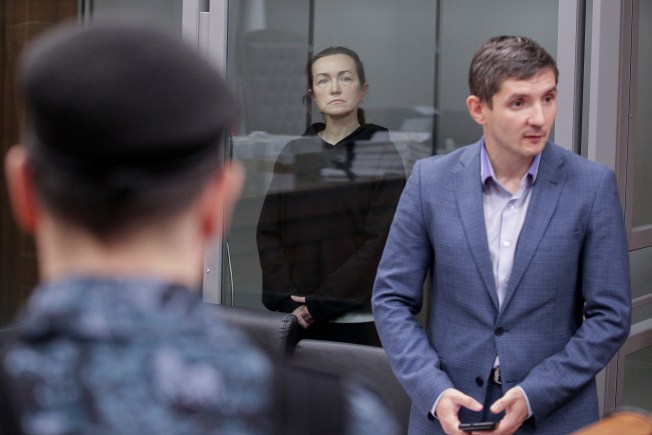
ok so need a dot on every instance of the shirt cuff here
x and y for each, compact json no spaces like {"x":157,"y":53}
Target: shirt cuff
{"x":527,"y":401}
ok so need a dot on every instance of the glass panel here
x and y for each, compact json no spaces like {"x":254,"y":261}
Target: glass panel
{"x":642,"y":203}
{"x":638,"y":379}
{"x":268,"y":47}
{"x":314,"y":215}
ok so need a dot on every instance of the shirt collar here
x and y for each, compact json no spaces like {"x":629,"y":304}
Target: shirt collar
{"x":487,"y":171}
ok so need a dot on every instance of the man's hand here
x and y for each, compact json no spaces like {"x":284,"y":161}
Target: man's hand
{"x":449,"y":405}
{"x":516,"y":412}
{"x":301,"y":313}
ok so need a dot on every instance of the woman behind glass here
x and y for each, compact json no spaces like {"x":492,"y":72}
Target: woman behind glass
{"x":327,"y":213}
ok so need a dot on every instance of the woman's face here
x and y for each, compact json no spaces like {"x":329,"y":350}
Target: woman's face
{"x":336,"y":87}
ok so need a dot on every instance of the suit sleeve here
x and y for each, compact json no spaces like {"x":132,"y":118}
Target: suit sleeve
{"x":605,"y":288}
{"x":398,"y":296}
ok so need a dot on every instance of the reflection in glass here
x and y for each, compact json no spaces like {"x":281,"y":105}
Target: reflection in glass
{"x":326,"y":216}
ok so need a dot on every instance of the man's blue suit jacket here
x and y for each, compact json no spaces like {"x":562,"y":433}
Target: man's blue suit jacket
{"x":566,"y":310}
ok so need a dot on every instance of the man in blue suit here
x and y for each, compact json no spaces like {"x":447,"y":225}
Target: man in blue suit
{"x":526,"y":245}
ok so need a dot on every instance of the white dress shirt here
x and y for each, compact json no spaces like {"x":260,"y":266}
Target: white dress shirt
{"x":504,"y":215}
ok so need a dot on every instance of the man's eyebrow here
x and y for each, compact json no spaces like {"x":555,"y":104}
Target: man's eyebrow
{"x":514,"y":96}
{"x":517,"y":96}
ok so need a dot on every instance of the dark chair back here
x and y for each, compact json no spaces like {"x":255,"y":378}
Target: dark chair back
{"x":273,"y":331}
{"x":366,"y":363}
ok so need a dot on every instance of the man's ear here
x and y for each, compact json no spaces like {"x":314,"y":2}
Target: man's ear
{"x":476,"y":109}
{"x":219,"y":198}
{"x":20,"y":187}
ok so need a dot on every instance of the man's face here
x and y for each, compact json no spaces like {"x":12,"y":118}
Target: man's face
{"x":522,"y":114}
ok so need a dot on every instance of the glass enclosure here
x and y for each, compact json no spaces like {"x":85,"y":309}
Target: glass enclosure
{"x":416,"y":60}
{"x":269,"y":45}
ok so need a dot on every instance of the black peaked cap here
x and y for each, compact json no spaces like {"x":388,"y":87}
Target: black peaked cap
{"x":121,"y":93}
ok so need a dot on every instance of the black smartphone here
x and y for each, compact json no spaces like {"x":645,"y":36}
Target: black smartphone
{"x":482,"y":425}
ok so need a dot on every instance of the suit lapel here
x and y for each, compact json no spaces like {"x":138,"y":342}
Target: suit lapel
{"x":543,"y":203}
{"x":468,"y":194}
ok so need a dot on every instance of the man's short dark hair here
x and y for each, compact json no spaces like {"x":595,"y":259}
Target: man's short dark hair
{"x":506,"y":57}
{"x":125,"y":123}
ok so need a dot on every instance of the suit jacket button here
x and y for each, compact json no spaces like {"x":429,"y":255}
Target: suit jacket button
{"x":479,"y":382}
{"x":499,"y":331}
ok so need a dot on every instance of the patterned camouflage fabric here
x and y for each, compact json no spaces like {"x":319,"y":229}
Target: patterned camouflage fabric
{"x":129,"y":356}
